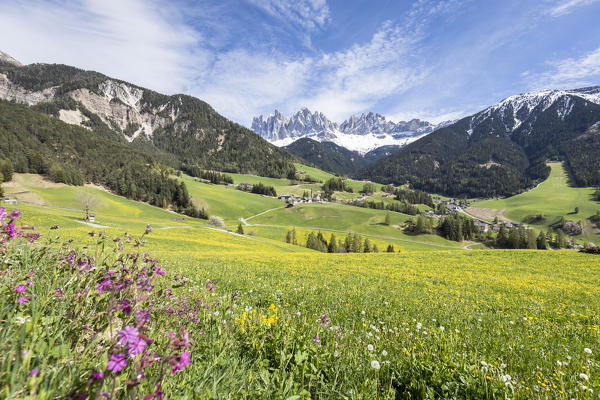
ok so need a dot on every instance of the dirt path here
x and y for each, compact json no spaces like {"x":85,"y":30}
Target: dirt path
{"x":93,"y":225}
{"x":244,"y":220}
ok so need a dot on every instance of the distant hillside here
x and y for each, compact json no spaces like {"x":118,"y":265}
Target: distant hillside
{"x":503,"y":149}
{"x":330,"y":157}
{"x":182,"y":130}
{"x":327,"y":156}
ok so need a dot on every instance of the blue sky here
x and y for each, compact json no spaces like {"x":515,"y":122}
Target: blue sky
{"x":428,"y":59}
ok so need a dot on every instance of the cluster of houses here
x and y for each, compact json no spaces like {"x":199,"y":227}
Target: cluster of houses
{"x":292,"y":199}
{"x":455,"y":206}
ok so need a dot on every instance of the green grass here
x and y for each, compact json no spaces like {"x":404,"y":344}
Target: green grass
{"x":344,"y":218}
{"x":228,"y":202}
{"x":441,"y":324}
{"x":554,"y":198}
{"x":225,"y":201}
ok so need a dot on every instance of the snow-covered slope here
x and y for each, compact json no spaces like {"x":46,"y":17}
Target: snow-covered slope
{"x":515,"y":110}
{"x":358,"y":133}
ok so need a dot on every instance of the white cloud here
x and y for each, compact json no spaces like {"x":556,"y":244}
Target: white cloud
{"x":309,"y":14}
{"x":569,"y":73}
{"x":242,"y":84}
{"x":135,"y":40}
{"x":433,"y":116}
{"x":566,"y":7}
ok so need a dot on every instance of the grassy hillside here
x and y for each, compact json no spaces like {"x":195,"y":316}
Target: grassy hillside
{"x":231,"y":204}
{"x":342,"y":218}
{"x":478,"y":324}
{"x":554,"y":198}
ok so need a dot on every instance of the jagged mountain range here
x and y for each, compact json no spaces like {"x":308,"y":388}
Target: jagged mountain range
{"x":180,"y":129}
{"x":358,"y":133}
{"x":503,"y":149}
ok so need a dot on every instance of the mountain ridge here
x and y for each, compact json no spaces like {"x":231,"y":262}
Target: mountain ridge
{"x":502,"y":150}
{"x":361,"y":133}
{"x":182,"y":129}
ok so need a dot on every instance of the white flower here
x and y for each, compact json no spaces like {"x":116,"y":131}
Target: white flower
{"x":456,"y":330}
{"x":375,"y":364}
{"x":502,"y":365}
{"x":442,"y":328}
{"x":558,"y":363}
{"x":419,"y":325}
{"x":583,"y":376}
{"x":484,"y":364}
{"x":384,"y":353}
{"x":586,"y":350}
{"x":363,"y":312}
{"x":370,"y":347}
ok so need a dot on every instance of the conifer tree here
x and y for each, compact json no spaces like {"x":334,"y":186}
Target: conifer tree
{"x":367,"y":246}
{"x":542,"y":244}
{"x":332,"y":247}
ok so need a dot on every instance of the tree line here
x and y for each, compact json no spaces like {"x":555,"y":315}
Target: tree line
{"x":352,"y":243}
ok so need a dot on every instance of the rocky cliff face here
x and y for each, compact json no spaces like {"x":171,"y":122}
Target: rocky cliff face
{"x":13,"y":92}
{"x":8,"y":59}
{"x":117,"y":104}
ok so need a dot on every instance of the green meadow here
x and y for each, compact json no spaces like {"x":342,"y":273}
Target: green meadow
{"x":554,"y":198}
{"x":281,"y":321}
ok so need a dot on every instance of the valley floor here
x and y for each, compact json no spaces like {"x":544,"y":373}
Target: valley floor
{"x":287,"y":322}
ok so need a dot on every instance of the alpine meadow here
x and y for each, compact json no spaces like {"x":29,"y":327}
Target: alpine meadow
{"x":418,"y":218}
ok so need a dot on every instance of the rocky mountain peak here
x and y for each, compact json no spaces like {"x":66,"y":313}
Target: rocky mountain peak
{"x":8,"y":59}
{"x":361,"y":133}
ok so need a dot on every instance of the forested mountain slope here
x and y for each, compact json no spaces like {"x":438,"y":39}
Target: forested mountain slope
{"x":182,"y":130}
{"x":37,"y":143}
{"x":503,"y":150}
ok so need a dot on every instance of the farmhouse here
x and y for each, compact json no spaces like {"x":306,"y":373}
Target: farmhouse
{"x":482,"y":225}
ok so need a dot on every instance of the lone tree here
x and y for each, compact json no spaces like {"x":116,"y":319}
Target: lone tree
{"x":88,"y":202}
{"x":240,"y":229}
{"x":217,"y":221}
{"x":369,"y":188}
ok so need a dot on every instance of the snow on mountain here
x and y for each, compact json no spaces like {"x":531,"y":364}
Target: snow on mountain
{"x":359,"y":133}
{"x":514,"y":110}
